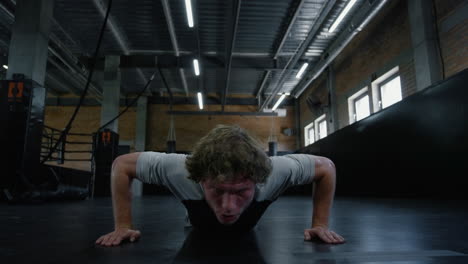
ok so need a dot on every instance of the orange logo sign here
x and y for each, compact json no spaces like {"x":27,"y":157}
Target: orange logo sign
{"x":15,"y":91}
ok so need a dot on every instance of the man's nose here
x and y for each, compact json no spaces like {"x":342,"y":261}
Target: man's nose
{"x":228,"y":203}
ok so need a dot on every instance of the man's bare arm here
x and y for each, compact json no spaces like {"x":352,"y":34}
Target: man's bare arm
{"x":123,"y":172}
{"x":324,"y":191}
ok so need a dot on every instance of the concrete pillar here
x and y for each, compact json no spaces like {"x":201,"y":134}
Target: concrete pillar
{"x":29,"y":39}
{"x":297,"y":110}
{"x":424,"y":40}
{"x":333,"y":124}
{"x":141,"y":115}
{"x":140,"y":140}
{"x":3,"y":61}
{"x":111,"y":92}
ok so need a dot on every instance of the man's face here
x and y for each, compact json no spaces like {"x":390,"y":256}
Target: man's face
{"x":229,"y":199}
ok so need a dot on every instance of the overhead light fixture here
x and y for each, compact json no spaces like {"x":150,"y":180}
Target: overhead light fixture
{"x":200,"y":100}
{"x":279,"y":102}
{"x":341,"y":16}
{"x":301,"y":71}
{"x":5,"y":66}
{"x":196,"y":67}
{"x":188,"y":8}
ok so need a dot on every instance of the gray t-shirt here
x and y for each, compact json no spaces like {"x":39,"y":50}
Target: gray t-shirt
{"x":169,"y":170}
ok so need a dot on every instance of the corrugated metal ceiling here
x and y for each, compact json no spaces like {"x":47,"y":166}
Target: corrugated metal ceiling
{"x":140,"y":27}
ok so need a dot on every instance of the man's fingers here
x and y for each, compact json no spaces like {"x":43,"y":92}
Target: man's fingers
{"x":116,"y":241}
{"x":135,"y":236}
{"x":111,"y":239}
{"x":106,"y":239}
{"x":98,"y":241}
{"x":121,"y":237}
{"x":115,"y":238}
{"x":331,"y":237}
{"x":337,"y":237}
{"x":325,"y":237}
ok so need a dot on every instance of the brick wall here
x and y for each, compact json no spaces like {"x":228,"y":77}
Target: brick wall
{"x":454,"y":42}
{"x":188,"y":128}
{"x":384,"y":44}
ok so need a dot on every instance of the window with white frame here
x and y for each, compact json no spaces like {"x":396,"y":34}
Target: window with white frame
{"x":359,"y":105}
{"x":321,"y":125}
{"x":309,"y":133}
{"x":390,"y":91}
{"x":387,"y":89}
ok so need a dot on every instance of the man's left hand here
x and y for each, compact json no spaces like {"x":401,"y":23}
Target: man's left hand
{"x":323,"y":234}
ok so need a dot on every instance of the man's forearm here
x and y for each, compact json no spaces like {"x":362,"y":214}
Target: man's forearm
{"x":323,"y":199}
{"x":121,"y":198}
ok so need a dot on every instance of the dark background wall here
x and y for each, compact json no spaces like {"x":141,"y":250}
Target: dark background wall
{"x":415,"y":148}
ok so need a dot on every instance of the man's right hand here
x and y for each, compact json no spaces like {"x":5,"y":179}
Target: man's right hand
{"x":118,"y":236}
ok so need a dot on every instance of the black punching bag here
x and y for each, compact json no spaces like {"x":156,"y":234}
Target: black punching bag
{"x":22,"y":104}
{"x":105,"y":150}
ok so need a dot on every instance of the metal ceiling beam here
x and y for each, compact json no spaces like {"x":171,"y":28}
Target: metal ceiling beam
{"x":178,"y":100}
{"x":186,"y":61}
{"x":217,"y":113}
{"x":50,"y":88}
{"x":60,"y":83}
{"x":54,"y":43}
{"x":262,"y":86}
{"x":112,"y":25}
{"x":280,"y":46}
{"x":301,"y":51}
{"x":208,"y":53}
{"x":233,"y":20}
{"x":175,"y":45}
{"x":74,"y":78}
{"x":361,"y":18}
{"x":121,"y":40}
{"x":76,"y":73}
{"x":286,"y":34}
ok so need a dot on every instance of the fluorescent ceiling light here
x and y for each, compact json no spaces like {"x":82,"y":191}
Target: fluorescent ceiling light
{"x":301,"y":71}
{"x":188,"y":8}
{"x":196,"y":67}
{"x":342,"y":15}
{"x":278,"y":102}
{"x":200,"y":100}
{"x":5,"y":66}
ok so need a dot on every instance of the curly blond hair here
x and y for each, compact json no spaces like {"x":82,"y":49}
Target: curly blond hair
{"x":227,"y":153}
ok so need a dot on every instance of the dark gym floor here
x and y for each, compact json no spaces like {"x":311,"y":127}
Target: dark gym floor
{"x":377,"y":230}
